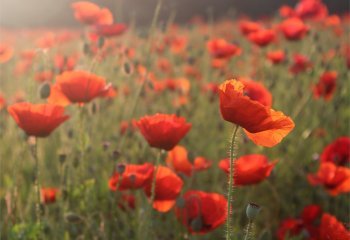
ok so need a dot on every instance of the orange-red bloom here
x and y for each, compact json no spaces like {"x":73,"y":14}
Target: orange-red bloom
{"x":110,"y":30}
{"x":262,"y":37}
{"x":77,"y":87}
{"x":332,"y":229}
{"x":300,"y":64}
{"x":311,"y":9}
{"x":131,"y":176}
{"x":91,"y":14}
{"x":249,"y":169}
{"x":177,"y":159}
{"x":248,"y":27}
{"x":294,"y":28}
{"x":202,"y":212}
{"x":6,"y":53}
{"x":335,"y":179}
{"x":256,"y":91}
{"x":337,"y":152}
{"x":163,"y":131}
{"x":48,"y":195}
{"x":263,"y":125}
{"x":326,"y":86}
{"x":167,"y":188}
{"x":220,"y":48}
{"x":37,"y":120}
{"x":277,"y":56}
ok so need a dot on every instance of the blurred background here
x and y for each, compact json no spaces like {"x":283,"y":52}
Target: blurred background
{"x":57,"y":13}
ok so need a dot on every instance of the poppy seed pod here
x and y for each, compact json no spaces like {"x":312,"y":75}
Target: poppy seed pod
{"x":197,"y":224}
{"x":45,"y":90}
{"x":120,"y":168}
{"x":252,"y":211}
{"x":127,"y":68}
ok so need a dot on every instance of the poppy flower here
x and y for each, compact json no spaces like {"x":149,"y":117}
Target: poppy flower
{"x":249,"y":169}
{"x":2,"y":101}
{"x":163,"y":131}
{"x":263,"y":125}
{"x":77,"y":87}
{"x":300,"y":64}
{"x":332,"y":229}
{"x":220,"y":48}
{"x":37,"y":120}
{"x":337,"y":152}
{"x":131,"y":176}
{"x":91,"y":14}
{"x":202,"y":212}
{"x":256,"y":91}
{"x":246,"y":27}
{"x":326,"y":86}
{"x":110,"y":30}
{"x":311,"y":9}
{"x":293,"y":28}
{"x":262,"y":37}
{"x":6,"y":53}
{"x":201,"y":163}
{"x":277,"y":56}
{"x":334,"y":179}
{"x":48,"y":195}
{"x":167,"y":188}
{"x":286,"y":11}
{"x":177,"y":159}
{"x":293,"y":227}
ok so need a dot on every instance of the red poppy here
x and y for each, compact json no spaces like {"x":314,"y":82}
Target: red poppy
{"x":110,"y":30}
{"x":2,"y":101}
{"x":77,"y":87}
{"x":326,"y":86}
{"x":202,"y":212}
{"x":167,"y":188}
{"x":37,"y":120}
{"x":311,"y":9}
{"x":337,"y":152}
{"x":277,"y":56}
{"x":91,"y":14}
{"x":286,"y":11}
{"x":332,"y":229}
{"x":201,"y":163}
{"x":294,"y":28}
{"x":256,"y":91}
{"x":263,"y":37}
{"x":131,"y":176}
{"x":6,"y":53}
{"x":294,"y":226}
{"x":249,"y":169}
{"x":300,"y":64}
{"x":48,"y":195}
{"x":334,"y":179}
{"x":178,"y":160}
{"x":163,"y":131}
{"x":263,"y":125}
{"x":220,"y":48}
{"x":248,"y":27}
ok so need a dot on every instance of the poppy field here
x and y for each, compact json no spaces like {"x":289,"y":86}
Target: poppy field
{"x":231,"y":129}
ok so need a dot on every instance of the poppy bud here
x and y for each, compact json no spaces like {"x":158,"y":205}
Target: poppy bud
{"x":197,"y":224}
{"x":45,"y":90}
{"x":252,"y":211}
{"x":120,"y":168}
{"x":72,"y":218}
{"x":127,"y":68}
{"x":101,"y":42}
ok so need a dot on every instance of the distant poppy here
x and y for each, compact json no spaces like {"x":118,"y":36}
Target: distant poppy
{"x":333,"y":178}
{"x":110,"y":30}
{"x":311,"y":9}
{"x":201,"y":163}
{"x":332,"y":229}
{"x":286,"y":11}
{"x":293,"y":28}
{"x":220,"y":48}
{"x":131,"y":176}
{"x":338,"y":152}
{"x":263,"y":125}
{"x":91,"y":14}
{"x":177,"y":159}
{"x":44,"y":76}
{"x":48,"y":195}
{"x":163,"y":131}
{"x":256,"y":91}
{"x":326,"y":86}
{"x":246,"y":27}
{"x":37,"y":120}
{"x":301,"y":63}
{"x":6,"y":53}
{"x":202,"y":212}
{"x":249,"y":169}
{"x":2,"y":101}
{"x":167,"y":188}
{"x":277,"y":56}
{"x":262,"y":37}
{"x":77,"y":87}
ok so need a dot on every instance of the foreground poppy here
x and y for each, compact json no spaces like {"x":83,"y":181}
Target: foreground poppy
{"x":336,"y":180}
{"x":263,"y":125}
{"x":332,"y":229}
{"x":163,"y":131}
{"x":167,"y":188}
{"x":201,"y":212}
{"x":91,"y":14}
{"x":220,"y":48}
{"x":256,"y":91}
{"x":48,"y":195}
{"x":111,"y":30}
{"x":293,"y":29}
{"x":131,"y":176}
{"x":326,"y":86}
{"x":77,"y":87}
{"x":249,"y":169}
{"x":37,"y":120}
{"x":178,"y":160}
{"x":337,"y":152}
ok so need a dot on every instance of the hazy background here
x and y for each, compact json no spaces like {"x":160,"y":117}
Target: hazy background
{"x":57,"y":13}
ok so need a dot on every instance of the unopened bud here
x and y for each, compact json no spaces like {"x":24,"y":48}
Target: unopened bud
{"x":45,"y":90}
{"x":252,"y":210}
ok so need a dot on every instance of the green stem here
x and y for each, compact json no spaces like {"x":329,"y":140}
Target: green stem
{"x":230,"y":184}
{"x":34,"y":150}
{"x":153,"y":189}
{"x":248,"y":230}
